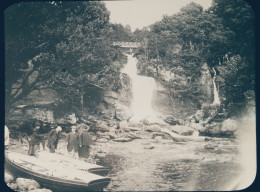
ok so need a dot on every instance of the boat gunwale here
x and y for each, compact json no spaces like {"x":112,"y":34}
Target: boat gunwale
{"x":52,"y":178}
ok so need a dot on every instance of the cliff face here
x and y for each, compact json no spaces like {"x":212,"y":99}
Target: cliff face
{"x":181,"y":95}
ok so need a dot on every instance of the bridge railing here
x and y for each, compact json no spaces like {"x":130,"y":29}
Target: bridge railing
{"x":127,"y":44}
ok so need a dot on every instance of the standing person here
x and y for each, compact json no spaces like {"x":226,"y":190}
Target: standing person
{"x":35,"y":140}
{"x":84,"y":141}
{"x":53,"y":138}
{"x":72,"y":142}
{"x":7,"y":139}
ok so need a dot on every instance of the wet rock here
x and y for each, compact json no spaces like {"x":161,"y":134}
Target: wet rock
{"x":106,"y":137}
{"x":149,"y":147}
{"x":112,"y":135}
{"x":100,"y":155}
{"x":181,"y":122}
{"x":31,"y":187}
{"x":94,"y":138}
{"x":155,"y":134}
{"x":217,"y":130}
{"x":40,"y":190}
{"x":146,"y":122}
{"x":100,"y":134}
{"x":135,"y":124}
{"x":68,"y":119}
{"x":196,"y":126}
{"x":13,"y":186}
{"x":209,"y":146}
{"x":229,"y":125}
{"x":135,"y":129}
{"x":123,"y":139}
{"x":123,"y":124}
{"x":126,"y":130}
{"x":83,"y":126}
{"x":182,"y":130}
{"x":158,"y":138}
{"x":102,"y":140}
{"x":23,"y":183}
{"x":209,"y":139}
{"x":218,"y":151}
{"x":153,"y":128}
{"x":122,"y":112}
{"x":171,"y":120}
{"x":133,"y":136}
{"x":8,"y":178}
{"x":102,"y":126}
{"x":72,"y":119}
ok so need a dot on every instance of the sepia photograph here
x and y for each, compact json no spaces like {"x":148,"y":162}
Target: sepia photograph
{"x":129,"y":95}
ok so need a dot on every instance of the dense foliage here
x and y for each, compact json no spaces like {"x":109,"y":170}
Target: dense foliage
{"x":222,"y":37}
{"x":60,"y":45}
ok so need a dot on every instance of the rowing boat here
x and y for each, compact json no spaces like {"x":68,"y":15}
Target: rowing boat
{"x":59,"y":175}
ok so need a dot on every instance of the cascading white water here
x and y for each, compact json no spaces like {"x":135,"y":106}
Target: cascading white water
{"x":142,"y":89}
{"x":216,"y":95}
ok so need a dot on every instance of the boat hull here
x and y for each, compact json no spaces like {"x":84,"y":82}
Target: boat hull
{"x":54,"y":183}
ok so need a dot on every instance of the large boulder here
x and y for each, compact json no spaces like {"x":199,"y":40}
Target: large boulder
{"x":70,"y":119}
{"x":196,"y":126}
{"x":229,"y":125}
{"x":8,"y":178}
{"x":13,"y":186}
{"x":123,"y":125}
{"x":226,"y":129}
{"x":152,"y":128}
{"x":123,"y":139}
{"x":101,"y":126}
{"x":171,"y":120}
{"x":123,"y":112}
{"x":23,"y":183}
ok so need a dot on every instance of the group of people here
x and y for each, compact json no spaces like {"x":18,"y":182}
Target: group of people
{"x":78,"y":141}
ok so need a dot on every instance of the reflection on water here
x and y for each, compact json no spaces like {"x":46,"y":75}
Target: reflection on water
{"x":181,"y":166}
{"x":196,"y":176}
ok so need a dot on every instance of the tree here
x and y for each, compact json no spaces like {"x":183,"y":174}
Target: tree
{"x":43,"y":39}
{"x":238,"y":17}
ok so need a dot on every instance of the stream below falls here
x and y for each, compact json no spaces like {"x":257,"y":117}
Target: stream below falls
{"x":162,"y":164}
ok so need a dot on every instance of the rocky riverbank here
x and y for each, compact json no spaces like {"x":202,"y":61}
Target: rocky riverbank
{"x":22,"y":184}
{"x":126,"y":147}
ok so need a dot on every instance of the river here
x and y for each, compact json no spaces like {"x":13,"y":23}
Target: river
{"x":161,"y":164}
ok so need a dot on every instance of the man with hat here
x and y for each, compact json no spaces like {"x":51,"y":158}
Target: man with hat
{"x":35,"y":140}
{"x":53,"y":138}
{"x":72,"y":142}
{"x":84,"y":141}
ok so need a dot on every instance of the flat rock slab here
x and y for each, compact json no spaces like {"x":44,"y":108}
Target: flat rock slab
{"x":123,"y":139}
{"x":135,"y":129}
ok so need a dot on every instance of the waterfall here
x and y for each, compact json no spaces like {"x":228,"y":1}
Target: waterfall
{"x":142,"y":88}
{"x":216,"y":95}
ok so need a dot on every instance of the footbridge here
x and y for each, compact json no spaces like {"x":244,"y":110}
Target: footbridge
{"x":130,"y":45}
